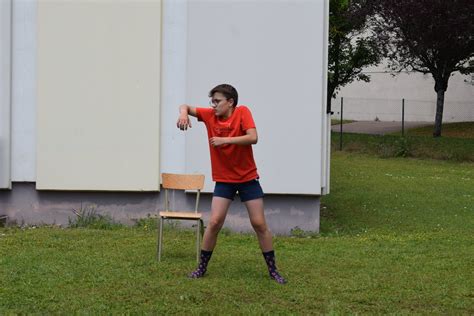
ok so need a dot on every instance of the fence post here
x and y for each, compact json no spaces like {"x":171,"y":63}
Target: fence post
{"x":403,"y":117}
{"x":340,"y":134}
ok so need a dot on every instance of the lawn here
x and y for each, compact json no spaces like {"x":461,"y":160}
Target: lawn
{"x":396,"y":238}
{"x":450,"y":130}
{"x":338,"y":122}
{"x":424,"y":147}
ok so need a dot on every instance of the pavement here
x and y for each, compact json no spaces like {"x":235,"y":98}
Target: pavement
{"x":376,"y":127}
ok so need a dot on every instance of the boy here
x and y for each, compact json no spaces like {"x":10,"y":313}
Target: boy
{"x":231,"y":131}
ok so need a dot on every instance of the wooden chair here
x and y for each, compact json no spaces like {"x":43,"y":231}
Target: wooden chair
{"x":181,"y":182}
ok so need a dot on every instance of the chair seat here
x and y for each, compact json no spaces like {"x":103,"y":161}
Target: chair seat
{"x":183,"y":215}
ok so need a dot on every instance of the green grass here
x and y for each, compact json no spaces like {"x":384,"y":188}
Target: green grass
{"x":338,"y":122}
{"x":424,"y":147}
{"x":396,"y":239}
{"x":398,"y":195}
{"x":450,"y":130}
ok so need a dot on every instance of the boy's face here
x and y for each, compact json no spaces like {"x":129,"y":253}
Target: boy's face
{"x":221,"y":106}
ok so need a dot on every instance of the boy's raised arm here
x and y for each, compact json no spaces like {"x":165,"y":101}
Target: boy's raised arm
{"x":183,"y":120}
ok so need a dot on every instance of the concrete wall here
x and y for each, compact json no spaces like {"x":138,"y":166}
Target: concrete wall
{"x":25,"y":205}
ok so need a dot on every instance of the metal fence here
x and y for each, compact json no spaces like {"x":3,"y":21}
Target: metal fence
{"x":372,"y":109}
{"x":401,"y":113}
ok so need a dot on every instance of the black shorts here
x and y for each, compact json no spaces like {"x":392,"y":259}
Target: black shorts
{"x":248,"y":191}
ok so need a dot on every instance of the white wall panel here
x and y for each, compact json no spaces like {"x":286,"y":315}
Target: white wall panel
{"x":326,"y":118}
{"x":5,"y":94}
{"x":273,"y":53}
{"x":98,"y":95}
{"x":173,"y":84}
{"x":24,"y":90}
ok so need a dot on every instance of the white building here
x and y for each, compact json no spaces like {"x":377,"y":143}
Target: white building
{"x":381,"y":98}
{"x":90,"y":93}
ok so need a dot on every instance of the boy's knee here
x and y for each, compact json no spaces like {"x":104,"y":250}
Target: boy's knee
{"x":215,"y":225}
{"x":260,"y":228}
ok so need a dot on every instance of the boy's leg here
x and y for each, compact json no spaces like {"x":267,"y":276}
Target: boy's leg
{"x":257,"y":219}
{"x":219,"y":208}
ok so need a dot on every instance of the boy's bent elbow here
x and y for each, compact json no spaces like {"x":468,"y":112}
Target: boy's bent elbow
{"x":252,"y":136}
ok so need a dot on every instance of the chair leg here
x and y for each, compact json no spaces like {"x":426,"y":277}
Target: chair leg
{"x":160,"y":238}
{"x":202,"y":228}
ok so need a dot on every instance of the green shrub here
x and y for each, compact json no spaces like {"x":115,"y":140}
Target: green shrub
{"x":88,"y":217}
{"x":403,"y":147}
{"x":147,"y":223}
{"x":297,"y":232}
{"x":3,"y":220}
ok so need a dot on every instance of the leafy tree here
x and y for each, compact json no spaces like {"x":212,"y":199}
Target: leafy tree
{"x":351,"y":46}
{"x":428,"y":36}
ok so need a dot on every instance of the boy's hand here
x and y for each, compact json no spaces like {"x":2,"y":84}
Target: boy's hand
{"x":218,"y":141}
{"x":183,"y":122}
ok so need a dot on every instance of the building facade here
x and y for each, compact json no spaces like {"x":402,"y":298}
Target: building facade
{"x":382,"y":97}
{"x":90,"y":96}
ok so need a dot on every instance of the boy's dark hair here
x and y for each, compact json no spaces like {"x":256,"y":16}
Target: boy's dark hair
{"x":228,"y":91}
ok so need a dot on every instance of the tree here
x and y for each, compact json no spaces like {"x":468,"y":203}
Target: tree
{"x":428,"y":36}
{"x":351,"y":46}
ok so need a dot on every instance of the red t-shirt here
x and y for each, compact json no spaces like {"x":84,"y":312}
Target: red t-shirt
{"x":230,"y":163}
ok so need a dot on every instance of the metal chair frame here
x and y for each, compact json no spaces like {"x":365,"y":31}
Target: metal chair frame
{"x":181,"y":182}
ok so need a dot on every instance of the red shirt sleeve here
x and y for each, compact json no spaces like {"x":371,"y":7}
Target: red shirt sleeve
{"x":204,"y":114}
{"x":247,"y":119}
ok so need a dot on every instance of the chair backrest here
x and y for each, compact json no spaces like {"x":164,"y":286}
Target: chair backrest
{"x":182,"y":181}
{"x":172,"y":181}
